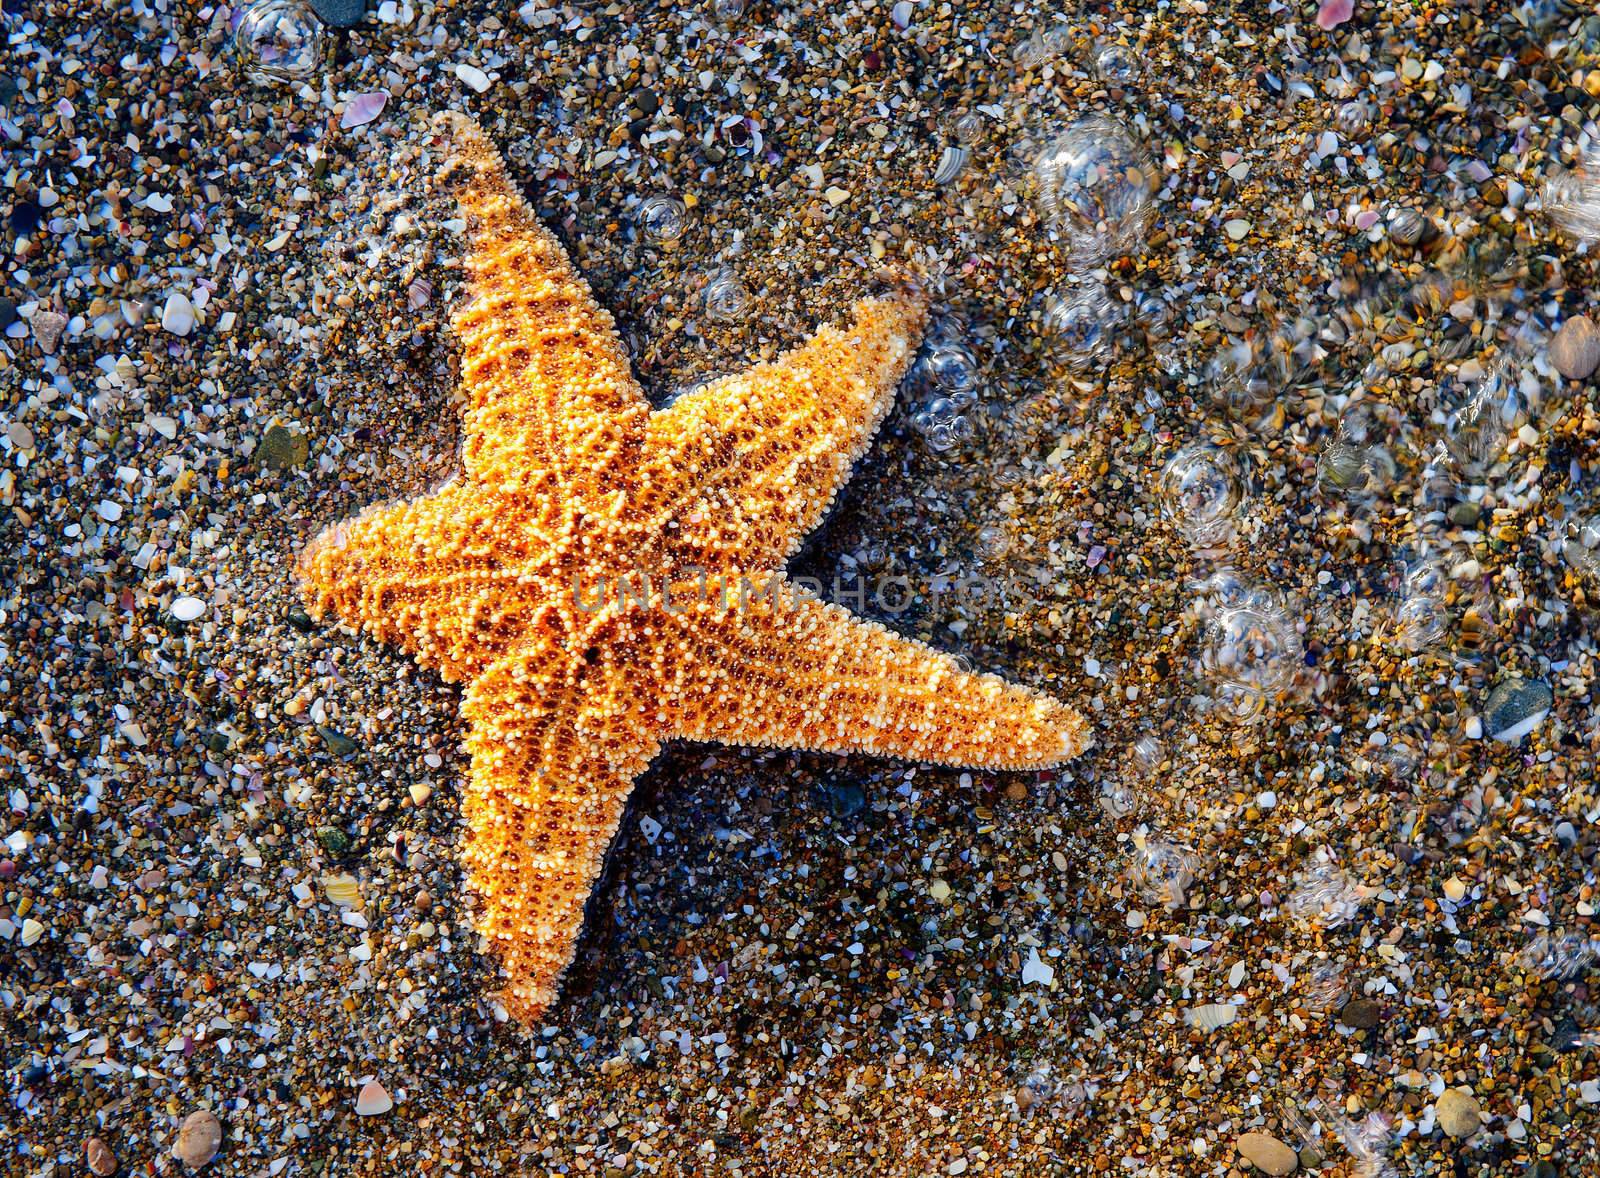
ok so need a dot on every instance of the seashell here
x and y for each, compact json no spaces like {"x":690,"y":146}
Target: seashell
{"x":951,"y":164}
{"x":1212,"y":1016}
{"x":342,"y":890}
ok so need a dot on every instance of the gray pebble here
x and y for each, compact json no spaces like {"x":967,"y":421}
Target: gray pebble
{"x":340,"y":14}
{"x":1575,"y":350}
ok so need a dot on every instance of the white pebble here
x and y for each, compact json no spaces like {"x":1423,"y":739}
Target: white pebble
{"x":187,"y":609}
{"x":472,"y":76}
{"x":1474,"y":729}
{"x":178,"y":315}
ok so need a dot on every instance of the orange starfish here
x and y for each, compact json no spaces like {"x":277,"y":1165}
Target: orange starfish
{"x":604,"y":577}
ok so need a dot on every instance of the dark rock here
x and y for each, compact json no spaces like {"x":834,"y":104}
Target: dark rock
{"x":25,"y":217}
{"x":340,"y":14}
{"x":1361,"y":1013}
{"x":846,"y":799}
{"x":282,"y":448}
{"x":334,"y":841}
{"x":338,"y":743}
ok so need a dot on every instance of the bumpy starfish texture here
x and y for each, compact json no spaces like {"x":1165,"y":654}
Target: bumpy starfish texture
{"x":603,"y":577}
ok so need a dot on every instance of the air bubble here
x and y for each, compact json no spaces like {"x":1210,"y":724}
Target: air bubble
{"x":277,"y":41}
{"x":1199,"y":491}
{"x":1095,"y":185}
{"x":726,"y":298}
{"x":663,"y":219}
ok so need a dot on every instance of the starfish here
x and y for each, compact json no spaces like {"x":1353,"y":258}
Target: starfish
{"x":572,"y":484}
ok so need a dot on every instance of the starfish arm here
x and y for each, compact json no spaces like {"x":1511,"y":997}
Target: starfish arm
{"x":763,"y":453}
{"x":427,"y":575}
{"x":554,"y":757}
{"x":550,"y":399}
{"x":786,"y":669}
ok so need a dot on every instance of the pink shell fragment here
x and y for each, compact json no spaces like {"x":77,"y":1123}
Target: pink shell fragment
{"x":374,"y":1100}
{"x":363,"y":108}
{"x":1334,"y":13}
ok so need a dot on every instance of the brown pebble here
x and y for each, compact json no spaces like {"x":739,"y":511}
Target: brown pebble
{"x":423,"y":902}
{"x":1459,"y":1114}
{"x":1361,"y":1013}
{"x":199,"y":1138}
{"x":1575,"y":350}
{"x":99,"y":1157}
{"x":1267,"y":1154}
{"x":47,"y":329}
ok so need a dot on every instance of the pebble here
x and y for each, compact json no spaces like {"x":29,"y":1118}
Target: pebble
{"x":178,"y":315}
{"x":340,"y":14}
{"x":473,"y":77}
{"x":374,"y":1100}
{"x":188,"y":609}
{"x":1515,"y":708}
{"x":47,"y":329}
{"x":1361,"y":1013}
{"x":199,"y":1138}
{"x":281,"y":448}
{"x":1267,"y":1154}
{"x":1409,"y":227}
{"x":99,"y":1158}
{"x":1458,"y":1113}
{"x":1575,"y":350}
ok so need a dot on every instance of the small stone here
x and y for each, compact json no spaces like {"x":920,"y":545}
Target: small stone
{"x":1458,"y":1113}
{"x":199,"y":1138}
{"x":340,"y":14}
{"x":333,"y":840}
{"x":1236,"y":229}
{"x":939,"y":890}
{"x":1465,"y":514}
{"x":281,"y":448}
{"x":8,"y":313}
{"x":1544,"y":1168}
{"x":1362,"y":1014}
{"x":374,"y":1100}
{"x":1267,"y":1154}
{"x":1515,"y":708}
{"x":178,"y":315}
{"x":423,"y":902}
{"x":1455,"y":889}
{"x":1411,"y":227}
{"x":338,"y":743}
{"x":101,"y":1161}
{"x":471,"y":76}
{"x":1575,"y":350}
{"x":47,"y":329}
{"x":420,"y":793}
{"x":188,"y":609}
{"x":846,"y":799}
